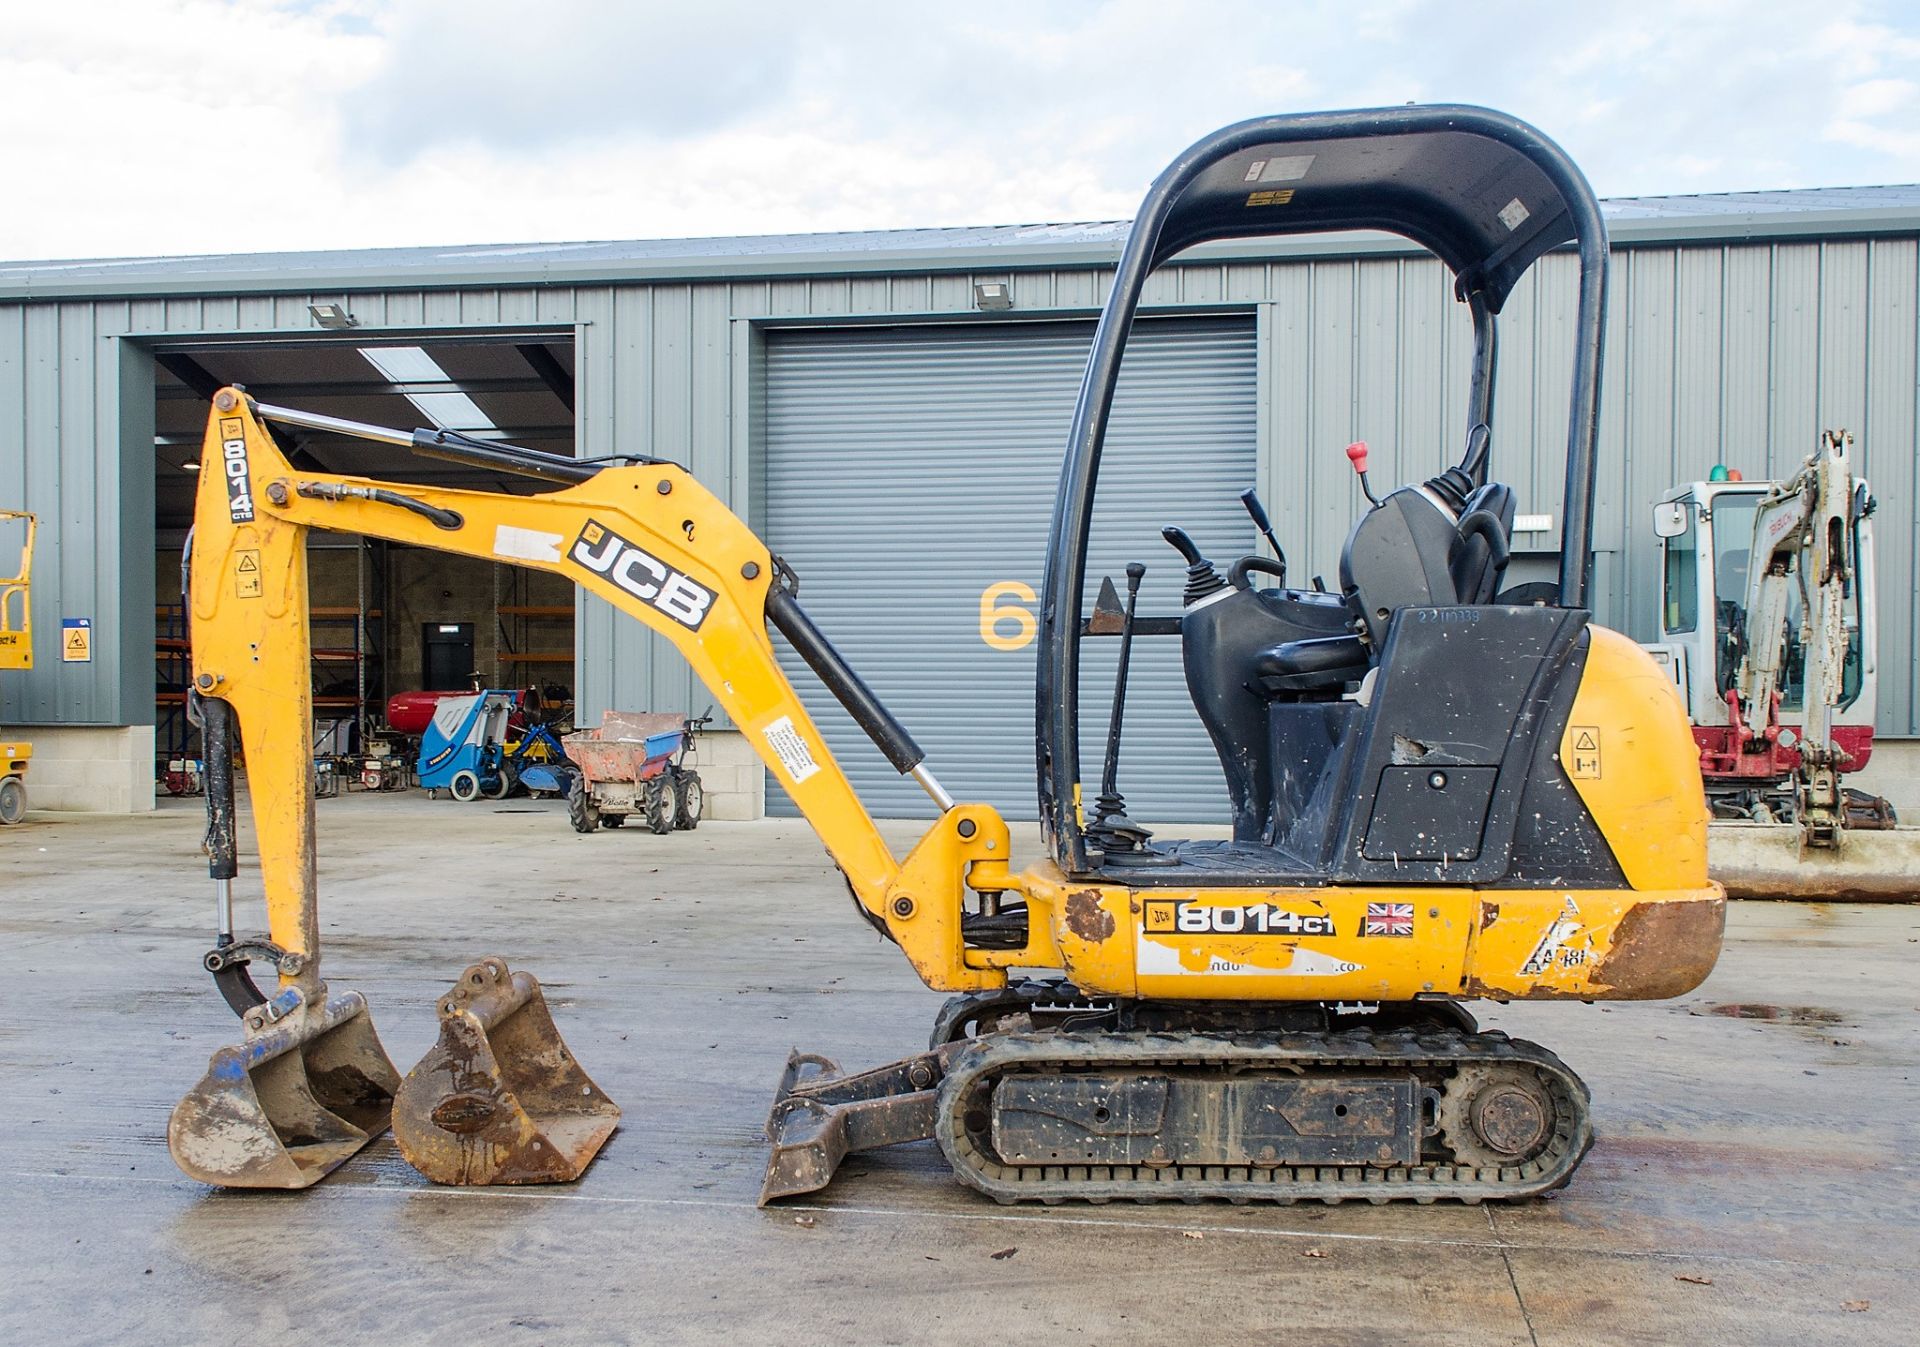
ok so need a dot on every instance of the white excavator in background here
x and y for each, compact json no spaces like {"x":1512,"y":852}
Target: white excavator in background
{"x":1768,"y":628}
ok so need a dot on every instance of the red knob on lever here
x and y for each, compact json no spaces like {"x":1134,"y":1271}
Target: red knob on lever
{"x":1357,"y":455}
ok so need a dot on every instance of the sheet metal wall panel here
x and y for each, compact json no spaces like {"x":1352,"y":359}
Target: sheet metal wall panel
{"x":1889,"y":433}
{"x":1843,"y":334}
{"x":1698,"y":351}
{"x":1645,"y":368}
{"x":1746,"y":348}
{"x":1793,"y":372}
{"x":1419,"y":393}
{"x":910,"y":468}
{"x":1556,"y":282}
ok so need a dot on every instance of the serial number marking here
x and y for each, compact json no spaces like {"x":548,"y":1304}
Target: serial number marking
{"x":1177,"y":916}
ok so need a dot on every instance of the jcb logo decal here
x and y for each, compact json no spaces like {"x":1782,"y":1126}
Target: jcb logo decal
{"x":233,"y":462}
{"x":644,"y":576}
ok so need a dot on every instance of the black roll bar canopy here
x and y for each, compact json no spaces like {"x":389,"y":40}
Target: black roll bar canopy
{"x":1484,"y":192}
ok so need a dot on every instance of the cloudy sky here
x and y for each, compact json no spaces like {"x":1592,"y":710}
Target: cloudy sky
{"x":177,"y":126}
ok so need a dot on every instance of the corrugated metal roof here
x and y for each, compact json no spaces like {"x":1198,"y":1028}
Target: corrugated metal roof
{"x":1727,"y":215}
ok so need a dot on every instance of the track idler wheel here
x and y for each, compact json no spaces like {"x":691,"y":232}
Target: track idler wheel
{"x":308,"y":1087}
{"x":499,"y":1098}
{"x":1497,"y":1115}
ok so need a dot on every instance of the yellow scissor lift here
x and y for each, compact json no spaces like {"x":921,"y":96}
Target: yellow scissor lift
{"x":16,"y":652}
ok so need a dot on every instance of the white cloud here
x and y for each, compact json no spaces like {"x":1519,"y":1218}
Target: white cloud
{"x":163,"y":126}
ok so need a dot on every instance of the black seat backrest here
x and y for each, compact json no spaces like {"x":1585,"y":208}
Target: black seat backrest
{"x":1420,"y":549}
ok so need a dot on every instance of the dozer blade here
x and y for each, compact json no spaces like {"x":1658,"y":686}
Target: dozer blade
{"x":1769,"y":860}
{"x":499,"y":1099}
{"x":308,"y":1087}
{"x":821,"y":1115}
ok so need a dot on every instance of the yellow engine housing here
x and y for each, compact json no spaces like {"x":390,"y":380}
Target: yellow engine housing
{"x":1640,"y":780}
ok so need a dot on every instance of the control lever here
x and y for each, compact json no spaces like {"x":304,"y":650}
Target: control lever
{"x":1110,"y":822}
{"x":1357,"y":455}
{"x":1251,"y":499}
{"x":1202,"y":578}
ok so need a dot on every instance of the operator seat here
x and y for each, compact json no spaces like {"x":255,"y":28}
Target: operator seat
{"x":1439,"y":544}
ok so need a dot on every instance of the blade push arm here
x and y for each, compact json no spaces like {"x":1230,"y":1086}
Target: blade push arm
{"x":649,"y":539}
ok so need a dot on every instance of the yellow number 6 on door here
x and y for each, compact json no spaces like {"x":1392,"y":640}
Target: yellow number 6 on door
{"x":1000,"y":604}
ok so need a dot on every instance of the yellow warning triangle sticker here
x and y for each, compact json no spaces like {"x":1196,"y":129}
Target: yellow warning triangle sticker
{"x":247,"y":563}
{"x":1585,"y":743}
{"x":77,"y":639}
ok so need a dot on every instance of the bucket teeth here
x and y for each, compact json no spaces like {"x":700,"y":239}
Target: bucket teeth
{"x":499,"y":1098}
{"x":287,"y":1106}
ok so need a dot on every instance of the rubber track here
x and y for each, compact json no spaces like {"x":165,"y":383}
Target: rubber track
{"x":1360,"y":1050}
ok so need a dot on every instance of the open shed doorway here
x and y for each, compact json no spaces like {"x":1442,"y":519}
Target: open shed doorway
{"x":379,"y":610}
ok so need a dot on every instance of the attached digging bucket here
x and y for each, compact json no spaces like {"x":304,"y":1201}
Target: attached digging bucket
{"x":499,"y":1098}
{"x":308,"y":1087}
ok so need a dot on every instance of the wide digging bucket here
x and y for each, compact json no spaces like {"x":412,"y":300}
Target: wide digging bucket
{"x":499,"y":1099}
{"x":308,"y":1087}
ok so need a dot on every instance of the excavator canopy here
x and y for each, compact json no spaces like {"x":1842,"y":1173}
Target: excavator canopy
{"x":1485,"y":192}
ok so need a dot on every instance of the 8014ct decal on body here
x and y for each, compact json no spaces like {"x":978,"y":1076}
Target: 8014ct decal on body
{"x":1174,"y":916}
{"x":1178,"y":916}
{"x":641,"y":574}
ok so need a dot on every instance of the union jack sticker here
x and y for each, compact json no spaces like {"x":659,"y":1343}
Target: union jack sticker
{"x":1388,"y":919}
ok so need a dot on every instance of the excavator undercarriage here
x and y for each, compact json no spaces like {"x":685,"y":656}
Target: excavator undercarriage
{"x":1061,"y":1097}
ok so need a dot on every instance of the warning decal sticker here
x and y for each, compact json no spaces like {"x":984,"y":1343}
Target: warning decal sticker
{"x":1585,"y":762}
{"x":76,"y":640}
{"x":246,"y":574}
{"x":788,"y":745}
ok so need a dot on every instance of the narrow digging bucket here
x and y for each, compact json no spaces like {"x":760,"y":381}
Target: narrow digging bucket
{"x":499,"y":1099}
{"x":308,"y":1087}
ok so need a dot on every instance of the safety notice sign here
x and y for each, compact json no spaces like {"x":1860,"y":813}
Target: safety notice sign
{"x":76,"y":640}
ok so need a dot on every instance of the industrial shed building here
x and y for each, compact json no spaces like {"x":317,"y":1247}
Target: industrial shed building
{"x":888,"y":410}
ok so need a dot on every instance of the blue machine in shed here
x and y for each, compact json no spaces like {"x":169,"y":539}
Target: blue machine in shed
{"x":463,"y":749}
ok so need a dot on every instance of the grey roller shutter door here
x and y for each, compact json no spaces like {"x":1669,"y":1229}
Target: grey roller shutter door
{"x":909,"y":469}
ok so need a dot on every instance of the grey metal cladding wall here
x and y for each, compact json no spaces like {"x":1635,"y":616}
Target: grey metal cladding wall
{"x":60,"y":459}
{"x":1742,"y":355}
{"x":654,"y":371}
{"x":910,"y":468}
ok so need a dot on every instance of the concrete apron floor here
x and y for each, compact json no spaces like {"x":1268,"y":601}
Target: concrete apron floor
{"x":1753,"y":1181}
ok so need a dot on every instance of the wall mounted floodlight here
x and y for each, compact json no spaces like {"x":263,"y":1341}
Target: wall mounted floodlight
{"x":992,"y":296}
{"x":334,"y":316}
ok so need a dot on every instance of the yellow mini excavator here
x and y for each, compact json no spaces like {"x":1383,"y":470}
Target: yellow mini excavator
{"x":1441,"y":790}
